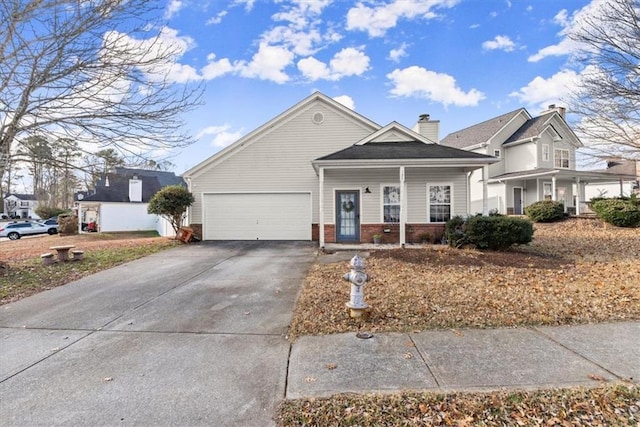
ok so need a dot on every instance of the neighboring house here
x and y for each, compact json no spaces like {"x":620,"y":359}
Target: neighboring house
{"x":120,"y":199}
{"x":537,"y":161}
{"x":20,"y":205}
{"x":320,"y":171}
{"x":617,"y":186}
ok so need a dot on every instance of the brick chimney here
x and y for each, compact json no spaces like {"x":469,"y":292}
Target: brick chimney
{"x":428,"y":128}
{"x":560,"y":110}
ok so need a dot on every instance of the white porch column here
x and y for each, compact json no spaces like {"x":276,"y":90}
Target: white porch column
{"x":485,"y":190}
{"x":578,"y":196}
{"x":321,"y":208}
{"x":553,"y":188}
{"x":403,"y":207}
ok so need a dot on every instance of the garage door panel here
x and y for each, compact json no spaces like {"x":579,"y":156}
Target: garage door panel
{"x":257,"y":216}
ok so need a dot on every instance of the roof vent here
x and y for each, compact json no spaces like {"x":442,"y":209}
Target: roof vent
{"x":423,"y":118}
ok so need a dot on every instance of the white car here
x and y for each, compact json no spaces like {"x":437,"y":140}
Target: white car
{"x":15,"y":230}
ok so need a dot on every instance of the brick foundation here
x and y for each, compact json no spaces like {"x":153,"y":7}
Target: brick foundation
{"x":390,"y":233}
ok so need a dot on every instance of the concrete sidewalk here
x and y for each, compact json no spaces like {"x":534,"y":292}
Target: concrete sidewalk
{"x":465,"y":360}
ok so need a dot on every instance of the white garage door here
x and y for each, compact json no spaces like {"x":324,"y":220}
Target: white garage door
{"x":257,"y":216}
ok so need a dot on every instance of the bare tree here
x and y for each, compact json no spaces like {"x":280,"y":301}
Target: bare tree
{"x":608,"y":97}
{"x":93,"y":71}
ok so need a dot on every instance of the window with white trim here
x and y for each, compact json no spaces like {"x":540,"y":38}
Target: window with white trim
{"x":439,"y":202}
{"x":391,"y":203}
{"x":496,"y":153}
{"x":561,"y":158}
{"x":547,"y":191}
{"x":545,"y":152}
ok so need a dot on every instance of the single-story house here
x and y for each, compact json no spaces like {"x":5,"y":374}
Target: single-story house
{"x":320,"y":171}
{"x":120,"y":200}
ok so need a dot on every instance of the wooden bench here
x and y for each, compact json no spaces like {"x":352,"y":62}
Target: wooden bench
{"x":47,"y":259}
{"x":77,"y":255}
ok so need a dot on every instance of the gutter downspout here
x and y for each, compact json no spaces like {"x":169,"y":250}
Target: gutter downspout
{"x":321,"y":208}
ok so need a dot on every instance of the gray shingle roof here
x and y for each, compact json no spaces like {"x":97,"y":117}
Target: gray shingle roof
{"x":480,"y":132}
{"x":531,"y":128}
{"x":401,"y":150}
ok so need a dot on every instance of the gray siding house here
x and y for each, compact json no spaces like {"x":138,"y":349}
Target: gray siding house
{"x":320,"y":171}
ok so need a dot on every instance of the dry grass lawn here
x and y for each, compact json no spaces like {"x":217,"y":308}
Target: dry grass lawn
{"x":576,"y":271}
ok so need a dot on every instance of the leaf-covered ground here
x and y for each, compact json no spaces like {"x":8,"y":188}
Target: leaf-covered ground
{"x":614,"y":405}
{"x":27,"y":275}
{"x":575,"y":271}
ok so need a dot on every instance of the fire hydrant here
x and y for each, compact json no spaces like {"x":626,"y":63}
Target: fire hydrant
{"x":357,"y":277}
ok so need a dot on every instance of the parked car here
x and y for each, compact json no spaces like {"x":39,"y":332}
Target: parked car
{"x":51,"y":221}
{"x":16,"y":230}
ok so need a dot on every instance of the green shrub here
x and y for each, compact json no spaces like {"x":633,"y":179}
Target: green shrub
{"x":621,"y":212}
{"x":545,"y":211}
{"x":498,"y":232}
{"x":454,"y":231}
{"x":488,"y":232}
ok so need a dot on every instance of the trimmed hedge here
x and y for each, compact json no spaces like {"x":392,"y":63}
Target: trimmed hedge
{"x":621,"y":212}
{"x":545,"y":211}
{"x":489,"y":232}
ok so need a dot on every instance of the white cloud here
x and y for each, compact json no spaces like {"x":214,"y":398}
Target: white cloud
{"x":215,"y":69}
{"x":569,"y":24}
{"x":400,"y":52}
{"x":221,"y":135}
{"x":173,"y":8}
{"x":499,"y":43}
{"x":348,"y":62}
{"x":541,"y":92}
{"x":377,"y":20}
{"x":346,"y":100}
{"x":167,"y":45}
{"x":419,"y":82}
{"x":268,"y":64}
{"x":217,"y":18}
{"x":565,"y":47}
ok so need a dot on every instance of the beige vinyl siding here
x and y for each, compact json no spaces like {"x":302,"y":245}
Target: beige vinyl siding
{"x":371,"y":204}
{"x":279,"y":159}
{"x":496,"y":144}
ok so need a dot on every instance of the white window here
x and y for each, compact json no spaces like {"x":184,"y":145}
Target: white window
{"x":545,"y":152}
{"x":439,"y":202}
{"x":391,"y":203}
{"x":24,"y":204}
{"x":496,"y":153}
{"x":547,"y":190}
{"x":561,"y":158}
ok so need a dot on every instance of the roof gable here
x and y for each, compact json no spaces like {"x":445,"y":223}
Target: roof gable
{"x":548,"y":122}
{"x":394,"y":132}
{"x":482,"y":132}
{"x":278,"y":121}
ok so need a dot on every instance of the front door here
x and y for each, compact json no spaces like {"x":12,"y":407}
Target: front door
{"x":517,"y":201}
{"x":347,"y":216}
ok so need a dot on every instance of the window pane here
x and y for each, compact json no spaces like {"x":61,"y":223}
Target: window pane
{"x":391,"y":195}
{"x":392,"y":213}
{"x":440,"y":213}
{"x":440,"y":194}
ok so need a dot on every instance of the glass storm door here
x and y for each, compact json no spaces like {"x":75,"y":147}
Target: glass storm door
{"x":347,"y":216}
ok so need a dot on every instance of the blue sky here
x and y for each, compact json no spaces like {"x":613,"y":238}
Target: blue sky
{"x":461,"y":61}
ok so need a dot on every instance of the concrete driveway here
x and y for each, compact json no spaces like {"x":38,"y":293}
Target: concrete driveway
{"x":190,"y":336}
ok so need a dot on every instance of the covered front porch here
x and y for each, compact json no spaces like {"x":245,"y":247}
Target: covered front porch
{"x":520,"y":189}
